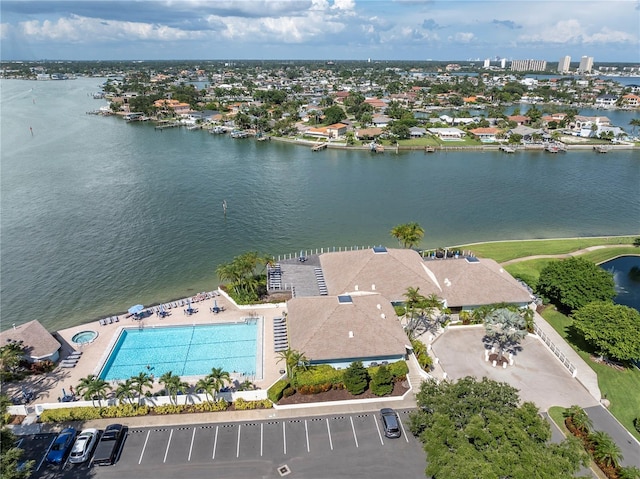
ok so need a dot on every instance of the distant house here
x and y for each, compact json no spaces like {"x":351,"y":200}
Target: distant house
{"x":447,"y":134}
{"x":485,"y":135}
{"x":526,"y":132}
{"x":336,"y":130}
{"x":631,"y":100}
{"x":330,"y":132}
{"x":606,"y":101}
{"x":368,"y":133}
{"x":381,"y":121}
{"x":39,"y":344}
{"x":376,"y":103}
{"x":519,"y":119}
{"x":417,"y":132}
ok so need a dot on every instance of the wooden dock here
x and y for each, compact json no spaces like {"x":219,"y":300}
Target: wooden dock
{"x":508,"y":149}
{"x":166,"y":125}
{"x":318,"y":146}
{"x":429,"y":149}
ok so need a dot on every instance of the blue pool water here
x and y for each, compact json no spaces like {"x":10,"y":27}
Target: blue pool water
{"x":184,"y":350}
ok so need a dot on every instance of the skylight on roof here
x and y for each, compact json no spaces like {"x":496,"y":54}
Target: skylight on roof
{"x":472,"y":259}
{"x":379,"y":249}
{"x":345,"y":299}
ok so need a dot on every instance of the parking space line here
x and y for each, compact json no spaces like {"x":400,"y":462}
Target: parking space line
{"x":261,"y":437}
{"x":166,"y":452}
{"x":353,"y":428}
{"x":215,"y":443}
{"x":238,"y":445}
{"x":193,"y":436}
{"x":375,"y":420}
{"x":144,"y":447}
{"x":284,"y":438}
{"x":45,"y":454}
{"x":329,"y":432}
{"x":306,"y":431}
{"x":404,"y":433}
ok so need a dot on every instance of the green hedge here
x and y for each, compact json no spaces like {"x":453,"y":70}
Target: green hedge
{"x":274,"y":393}
{"x":241,"y":405}
{"x":318,"y":376}
{"x":88,"y":413}
{"x":398,"y":370}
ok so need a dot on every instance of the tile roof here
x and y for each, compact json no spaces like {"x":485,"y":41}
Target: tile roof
{"x":324,"y":329}
{"x":38,"y":341}
{"x":389,"y":273}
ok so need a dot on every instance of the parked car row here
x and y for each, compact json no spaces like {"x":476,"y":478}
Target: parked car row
{"x":102,"y":448}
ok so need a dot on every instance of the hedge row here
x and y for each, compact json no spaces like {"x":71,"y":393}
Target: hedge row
{"x":128,"y":410}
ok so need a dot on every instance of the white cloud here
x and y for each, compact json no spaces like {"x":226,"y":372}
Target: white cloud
{"x":572,"y":32}
{"x":462,"y":37}
{"x":76,"y":29}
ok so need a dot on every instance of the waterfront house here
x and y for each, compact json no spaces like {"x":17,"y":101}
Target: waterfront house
{"x":631,"y":100}
{"x":606,"y":101}
{"x":485,"y":135}
{"x":39,"y":344}
{"x":519,"y":119}
{"x":381,"y":121}
{"x":447,"y":134}
{"x":368,"y":133}
{"x":417,"y":132}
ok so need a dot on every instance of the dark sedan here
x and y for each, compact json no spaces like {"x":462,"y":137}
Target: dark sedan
{"x":61,"y":446}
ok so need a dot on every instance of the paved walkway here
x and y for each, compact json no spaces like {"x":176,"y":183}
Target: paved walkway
{"x":564,"y":255}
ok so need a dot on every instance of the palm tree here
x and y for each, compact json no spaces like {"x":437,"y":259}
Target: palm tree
{"x":126,"y":390}
{"x":10,"y":356}
{"x":408,"y":235}
{"x":219,"y":378}
{"x":506,"y":328}
{"x":634,"y":123}
{"x":629,"y":472}
{"x":605,"y":450}
{"x":292,"y":360}
{"x":579,"y":418}
{"x":173,"y":385}
{"x":93,"y":387}
{"x":208,"y":385}
{"x":140,"y":382}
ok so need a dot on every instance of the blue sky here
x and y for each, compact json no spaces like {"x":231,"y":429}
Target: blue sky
{"x":608,"y":30}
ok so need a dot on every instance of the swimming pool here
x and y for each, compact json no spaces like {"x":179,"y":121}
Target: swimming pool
{"x":185,"y":350}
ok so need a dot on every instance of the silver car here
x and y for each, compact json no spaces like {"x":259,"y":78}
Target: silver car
{"x":84,"y":445}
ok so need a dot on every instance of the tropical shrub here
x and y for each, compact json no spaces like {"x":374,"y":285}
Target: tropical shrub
{"x":399,"y":370}
{"x":318,"y":375}
{"x":242,"y":405}
{"x":288,"y":392}
{"x":382,"y":382}
{"x":274,"y":393}
{"x":420,"y":351}
{"x":636,"y":423}
{"x":356,"y":378}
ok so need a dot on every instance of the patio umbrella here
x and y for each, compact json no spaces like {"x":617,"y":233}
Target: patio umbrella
{"x":135,"y":309}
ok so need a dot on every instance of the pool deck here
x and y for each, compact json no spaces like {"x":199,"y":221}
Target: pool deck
{"x":49,"y":387}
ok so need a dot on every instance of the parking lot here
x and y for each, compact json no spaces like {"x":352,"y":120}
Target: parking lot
{"x":348,"y":445}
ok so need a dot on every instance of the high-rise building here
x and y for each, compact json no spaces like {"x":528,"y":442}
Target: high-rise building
{"x":586,"y":65}
{"x":564,"y":64}
{"x":528,"y":65}
{"x":503,"y":63}
{"x":487,"y":62}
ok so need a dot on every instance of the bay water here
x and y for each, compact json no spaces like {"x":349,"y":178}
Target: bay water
{"x":98,"y":214}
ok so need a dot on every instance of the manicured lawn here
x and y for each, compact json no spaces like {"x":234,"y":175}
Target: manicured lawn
{"x":606,"y":254}
{"x":556,"y":414}
{"x":621,"y":388}
{"x":506,"y":250}
{"x":529,"y":270}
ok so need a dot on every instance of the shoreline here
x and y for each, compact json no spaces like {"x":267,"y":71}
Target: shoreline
{"x":445,"y":148}
{"x":180,"y":298}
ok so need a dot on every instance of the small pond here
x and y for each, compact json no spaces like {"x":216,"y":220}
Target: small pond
{"x":626,"y":274}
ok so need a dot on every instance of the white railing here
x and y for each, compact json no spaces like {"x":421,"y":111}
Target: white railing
{"x":555,"y":350}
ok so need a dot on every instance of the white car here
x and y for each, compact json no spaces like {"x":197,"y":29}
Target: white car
{"x":83,"y":446}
